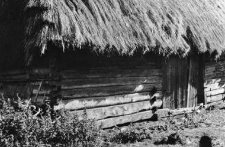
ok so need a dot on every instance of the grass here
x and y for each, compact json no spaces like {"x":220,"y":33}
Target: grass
{"x":24,"y":125}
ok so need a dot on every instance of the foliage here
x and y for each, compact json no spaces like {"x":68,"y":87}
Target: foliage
{"x":26,"y":126}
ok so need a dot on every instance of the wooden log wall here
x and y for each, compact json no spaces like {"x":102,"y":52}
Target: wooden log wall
{"x":38,"y":81}
{"x":37,"y":84}
{"x":214,"y":80}
{"x":110,"y":88}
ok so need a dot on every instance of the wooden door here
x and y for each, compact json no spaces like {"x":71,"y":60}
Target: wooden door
{"x":196,"y":80}
{"x":183,"y":81}
{"x":175,"y":82}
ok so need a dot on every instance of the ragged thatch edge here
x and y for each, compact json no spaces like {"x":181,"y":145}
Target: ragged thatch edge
{"x":164,"y":26}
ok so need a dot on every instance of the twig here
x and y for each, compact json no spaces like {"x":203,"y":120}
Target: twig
{"x":39,"y":88}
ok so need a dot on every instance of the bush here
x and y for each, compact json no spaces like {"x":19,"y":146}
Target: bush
{"x":22,"y":126}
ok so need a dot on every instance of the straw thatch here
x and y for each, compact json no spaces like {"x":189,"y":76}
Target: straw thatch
{"x":165,"y":26}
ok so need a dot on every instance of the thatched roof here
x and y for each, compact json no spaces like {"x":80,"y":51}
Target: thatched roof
{"x":165,"y":26}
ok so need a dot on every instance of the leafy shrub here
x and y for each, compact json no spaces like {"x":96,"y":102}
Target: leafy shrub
{"x":26,"y":126}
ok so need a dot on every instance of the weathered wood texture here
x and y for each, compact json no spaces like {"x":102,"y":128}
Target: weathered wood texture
{"x":175,"y":82}
{"x":115,"y":110}
{"x":93,"y":102}
{"x":196,"y":79}
{"x":108,"y":88}
{"x":37,"y":81}
{"x":215,"y":80}
{"x":37,"y":84}
{"x":93,"y":78}
{"x":145,"y":115}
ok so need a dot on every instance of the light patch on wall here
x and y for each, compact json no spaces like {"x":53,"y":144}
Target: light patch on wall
{"x":139,"y":88}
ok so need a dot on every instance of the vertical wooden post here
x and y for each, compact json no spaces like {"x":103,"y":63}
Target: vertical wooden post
{"x":54,"y":59}
{"x":201,"y":80}
{"x":192,"y":77}
{"x":195,"y":79}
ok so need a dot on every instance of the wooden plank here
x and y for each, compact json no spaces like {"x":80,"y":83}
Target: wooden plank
{"x":211,"y":81}
{"x":175,"y":83}
{"x":111,"y":122}
{"x":100,"y":82}
{"x":172,"y":83}
{"x":215,"y":92}
{"x":184,"y":82}
{"x":201,"y":77}
{"x":40,"y":71}
{"x":114,"y":111}
{"x":12,"y":72}
{"x":162,"y":113}
{"x":74,"y":104}
{"x":41,"y":92}
{"x":196,"y":79}
{"x":45,"y":84}
{"x":108,"y":91}
{"x":214,"y":64}
{"x":215,"y":98}
{"x":12,"y":78}
{"x":210,"y":87}
{"x":211,"y":76}
{"x":192,"y":91}
{"x":165,"y":83}
{"x":109,"y":73}
{"x":209,"y":69}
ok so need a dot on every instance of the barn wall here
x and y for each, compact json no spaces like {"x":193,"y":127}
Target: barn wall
{"x":214,"y":80}
{"x":38,"y":81}
{"x":109,"y":87}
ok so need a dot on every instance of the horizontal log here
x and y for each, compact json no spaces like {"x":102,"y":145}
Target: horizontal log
{"x":114,"y":111}
{"x":40,"y":71}
{"x":215,"y":80}
{"x":219,"y":69}
{"x":209,"y":69}
{"x":12,"y":72}
{"x":219,"y":74}
{"x":12,"y":78}
{"x":216,"y":73}
{"x":41,"y":92}
{"x":215,"y":98}
{"x":108,"y":91}
{"x":111,"y":122}
{"x":210,"y":87}
{"x":100,"y":82}
{"x":45,"y":83}
{"x":101,"y":101}
{"x":162,"y":113}
{"x":215,"y":92}
{"x":209,"y":77}
{"x":109,"y":73}
{"x":211,"y":81}
{"x":214,"y":64}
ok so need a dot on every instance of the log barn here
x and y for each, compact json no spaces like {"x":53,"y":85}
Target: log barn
{"x":107,"y":56}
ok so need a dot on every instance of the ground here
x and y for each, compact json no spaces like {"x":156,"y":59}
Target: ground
{"x":203,"y":129}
